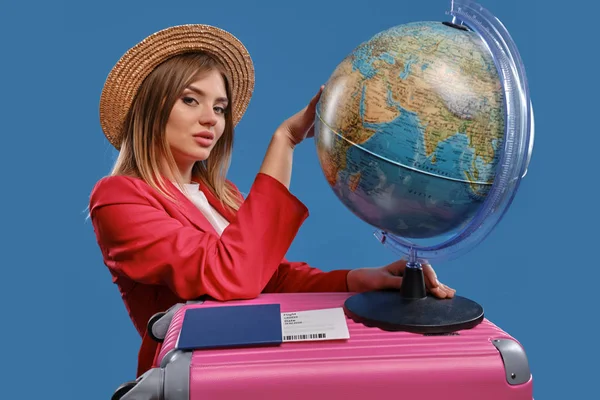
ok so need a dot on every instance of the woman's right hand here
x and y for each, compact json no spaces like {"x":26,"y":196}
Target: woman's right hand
{"x":301,"y":125}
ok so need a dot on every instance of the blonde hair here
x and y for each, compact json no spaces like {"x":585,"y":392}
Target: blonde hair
{"x":144,"y":142}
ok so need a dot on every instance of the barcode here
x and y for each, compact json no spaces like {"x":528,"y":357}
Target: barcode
{"x":305,"y":337}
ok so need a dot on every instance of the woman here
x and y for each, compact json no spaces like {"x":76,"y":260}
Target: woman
{"x":169,"y":224}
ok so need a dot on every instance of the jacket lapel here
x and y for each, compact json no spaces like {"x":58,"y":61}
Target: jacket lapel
{"x":190,"y":211}
{"x":224,"y":211}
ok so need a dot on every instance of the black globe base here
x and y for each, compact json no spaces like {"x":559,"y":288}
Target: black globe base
{"x":411,"y":309}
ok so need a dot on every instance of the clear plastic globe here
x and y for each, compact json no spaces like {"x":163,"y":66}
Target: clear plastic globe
{"x":425,"y":130}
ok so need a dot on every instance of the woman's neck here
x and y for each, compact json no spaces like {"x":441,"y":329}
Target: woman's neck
{"x":185,"y":173}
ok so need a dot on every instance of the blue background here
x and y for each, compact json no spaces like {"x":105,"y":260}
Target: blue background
{"x":65,"y":333}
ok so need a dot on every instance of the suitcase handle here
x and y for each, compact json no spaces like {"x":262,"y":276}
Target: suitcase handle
{"x":159,"y":323}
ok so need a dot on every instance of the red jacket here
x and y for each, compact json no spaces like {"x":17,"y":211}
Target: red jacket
{"x":160,"y":253}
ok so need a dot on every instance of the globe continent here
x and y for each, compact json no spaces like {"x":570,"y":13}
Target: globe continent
{"x":409,"y":129}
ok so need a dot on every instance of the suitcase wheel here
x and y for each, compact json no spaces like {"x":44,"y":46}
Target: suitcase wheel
{"x":123,"y":389}
{"x":151,"y":323}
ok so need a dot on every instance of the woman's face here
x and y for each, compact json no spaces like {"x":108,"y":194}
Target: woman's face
{"x":197,"y":120}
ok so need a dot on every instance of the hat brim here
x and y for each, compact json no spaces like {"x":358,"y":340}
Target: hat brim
{"x":136,"y":64}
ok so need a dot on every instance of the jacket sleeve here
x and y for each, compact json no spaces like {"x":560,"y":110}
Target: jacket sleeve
{"x":296,"y":277}
{"x":141,"y":241}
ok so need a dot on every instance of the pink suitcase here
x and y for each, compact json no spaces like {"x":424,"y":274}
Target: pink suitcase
{"x":479,"y":363}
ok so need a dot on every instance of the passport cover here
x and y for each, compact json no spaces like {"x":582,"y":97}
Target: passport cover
{"x":230,"y":326}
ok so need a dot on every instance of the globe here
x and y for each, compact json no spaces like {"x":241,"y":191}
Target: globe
{"x":412,"y":123}
{"x":424,"y":132}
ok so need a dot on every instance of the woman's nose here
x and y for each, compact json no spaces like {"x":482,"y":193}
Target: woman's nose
{"x":208,"y":116}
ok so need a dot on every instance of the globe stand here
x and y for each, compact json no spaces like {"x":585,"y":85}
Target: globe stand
{"x":411,"y":309}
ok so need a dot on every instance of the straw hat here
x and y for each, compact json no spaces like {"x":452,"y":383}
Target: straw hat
{"x":134,"y":66}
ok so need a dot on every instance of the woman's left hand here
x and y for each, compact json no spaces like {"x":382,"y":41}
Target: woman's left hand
{"x":301,"y":125}
{"x":390,"y":277}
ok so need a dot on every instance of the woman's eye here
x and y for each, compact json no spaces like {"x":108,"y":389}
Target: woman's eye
{"x":220,"y":110}
{"x":189,"y":100}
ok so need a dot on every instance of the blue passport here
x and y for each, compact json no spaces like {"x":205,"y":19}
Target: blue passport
{"x":231,"y":326}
